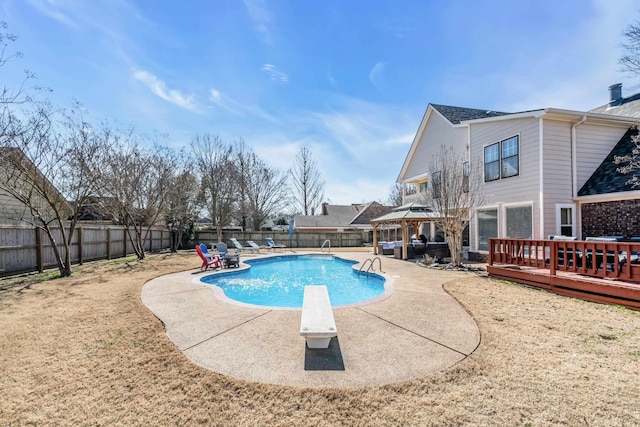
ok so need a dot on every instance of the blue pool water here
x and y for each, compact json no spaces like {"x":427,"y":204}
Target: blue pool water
{"x":280,"y":281}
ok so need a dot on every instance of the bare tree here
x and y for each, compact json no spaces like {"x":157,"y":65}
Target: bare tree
{"x":395,"y":195}
{"x":630,"y":163}
{"x":213,"y":160}
{"x":455,"y":190}
{"x":22,"y":93}
{"x":630,"y":61}
{"x":134,"y":185}
{"x":42,"y":167}
{"x":263,"y":189}
{"x":181,"y":210}
{"x":306,"y":185}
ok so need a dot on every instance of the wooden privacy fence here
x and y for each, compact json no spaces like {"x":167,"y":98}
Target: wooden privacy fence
{"x":27,"y":249}
{"x":299,"y":239}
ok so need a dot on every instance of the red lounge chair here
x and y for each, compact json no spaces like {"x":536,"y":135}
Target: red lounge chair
{"x":208,"y":260}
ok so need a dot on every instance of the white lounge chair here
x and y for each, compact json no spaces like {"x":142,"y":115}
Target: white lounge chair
{"x":241,"y":248}
{"x":257,"y":247}
{"x":274,"y":245}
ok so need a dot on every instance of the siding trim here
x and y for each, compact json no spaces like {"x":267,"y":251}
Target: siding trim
{"x":541,"y":175}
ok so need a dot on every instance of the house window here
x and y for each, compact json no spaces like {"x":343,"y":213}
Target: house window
{"x":439,"y":235}
{"x":437,"y":184}
{"x":409,"y":189}
{"x":519,"y":222}
{"x":465,"y":177}
{"x":487,"y":227}
{"x":424,"y":186}
{"x":502,"y":159}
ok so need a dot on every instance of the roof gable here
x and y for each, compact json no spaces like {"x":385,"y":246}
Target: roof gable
{"x":455,"y":115}
{"x":606,"y":178}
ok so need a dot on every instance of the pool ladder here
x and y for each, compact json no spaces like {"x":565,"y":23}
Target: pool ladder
{"x":324,"y":243}
{"x":371,"y":268}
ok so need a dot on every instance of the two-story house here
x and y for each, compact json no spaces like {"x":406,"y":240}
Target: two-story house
{"x":542,"y":170}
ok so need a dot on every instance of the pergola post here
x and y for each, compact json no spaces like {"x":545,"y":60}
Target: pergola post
{"x":375,"y":238}
{"x":404,"y":239}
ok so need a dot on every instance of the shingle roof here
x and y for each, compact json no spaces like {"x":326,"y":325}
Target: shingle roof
{"x":457,"y":114}
{"x":629,"y":107}
{"x":606,"y":178}
{"x":342,"y":215}
{"x":337,"y":216}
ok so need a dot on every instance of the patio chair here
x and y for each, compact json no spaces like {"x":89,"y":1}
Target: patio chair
{"x":274,"y":245}
{"x":208,"y":260}
{"x":255,"y":246}
{"x":239,"y":246}
{"x":222,"y":249}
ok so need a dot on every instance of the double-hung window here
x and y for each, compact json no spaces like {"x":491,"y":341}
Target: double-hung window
{"x":502,"y":159}
{"x":465,"y":177}
{"x":437,"y":184}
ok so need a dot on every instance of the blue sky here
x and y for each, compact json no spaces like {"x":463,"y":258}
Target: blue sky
{"x":348,"y":79}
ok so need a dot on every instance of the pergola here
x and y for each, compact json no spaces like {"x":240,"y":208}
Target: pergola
{"x":411,"y":214}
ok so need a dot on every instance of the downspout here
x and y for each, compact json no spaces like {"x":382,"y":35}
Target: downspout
{"x":574,"y":158}
{"x":541,"y":177}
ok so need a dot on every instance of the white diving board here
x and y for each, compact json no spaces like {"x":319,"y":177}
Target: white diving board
{"x":317,"y":324}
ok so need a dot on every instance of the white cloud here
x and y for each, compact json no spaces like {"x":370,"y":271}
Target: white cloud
{"x":261,"y":18}
{"x":53,"y":10}
{"x":159,"y":88}
{"x":229,"y":104}
{"x":365,"y":130}
{"x":274,"y":74}
{"x":375,"y":75}
{"x":359,"y":146}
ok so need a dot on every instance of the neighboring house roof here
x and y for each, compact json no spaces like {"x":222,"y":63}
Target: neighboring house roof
{"x":370,"y":211}
{"x":606,"y":178}
{"x":334,"y":216}
{"x":628,"y":107}
{"x":458,"y":114}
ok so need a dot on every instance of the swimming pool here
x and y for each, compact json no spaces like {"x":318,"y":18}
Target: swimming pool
{"x":279,"y":281}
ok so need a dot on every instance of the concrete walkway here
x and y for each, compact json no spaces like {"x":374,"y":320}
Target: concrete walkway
{"x":415,"y":332}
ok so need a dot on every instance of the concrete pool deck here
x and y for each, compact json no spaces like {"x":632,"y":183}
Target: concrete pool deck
{"x":417,"y":331}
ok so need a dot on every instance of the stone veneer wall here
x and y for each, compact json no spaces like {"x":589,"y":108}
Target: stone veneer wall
{"x":618,"y":218}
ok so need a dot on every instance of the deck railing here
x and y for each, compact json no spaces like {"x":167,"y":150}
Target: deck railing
{"x":619,"y":260}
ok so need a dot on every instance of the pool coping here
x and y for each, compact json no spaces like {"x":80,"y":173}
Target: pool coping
{"x":417,"y":331}
{"x":219,"y":292}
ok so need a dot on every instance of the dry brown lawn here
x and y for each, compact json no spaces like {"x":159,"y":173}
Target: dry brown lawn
{"x":86,"y":351}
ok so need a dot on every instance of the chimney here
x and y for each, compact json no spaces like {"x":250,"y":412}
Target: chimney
{"x":325,"y":211}
{"x":615,"y":95}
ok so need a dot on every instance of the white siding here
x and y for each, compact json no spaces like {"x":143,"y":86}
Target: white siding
{"x":593,"y":145}
{"x":523,"y":189}
{"x":437,"y":132}
{"x":557,"y":175}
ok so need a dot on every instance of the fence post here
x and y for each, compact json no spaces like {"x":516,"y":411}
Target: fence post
{"x":79,"y":245}
{"x":150,"y":240}
{"x":39,"y":249}
{"x":109,"y":243}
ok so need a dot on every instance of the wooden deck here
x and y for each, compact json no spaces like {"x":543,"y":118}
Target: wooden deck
{"x":537,"y":264}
